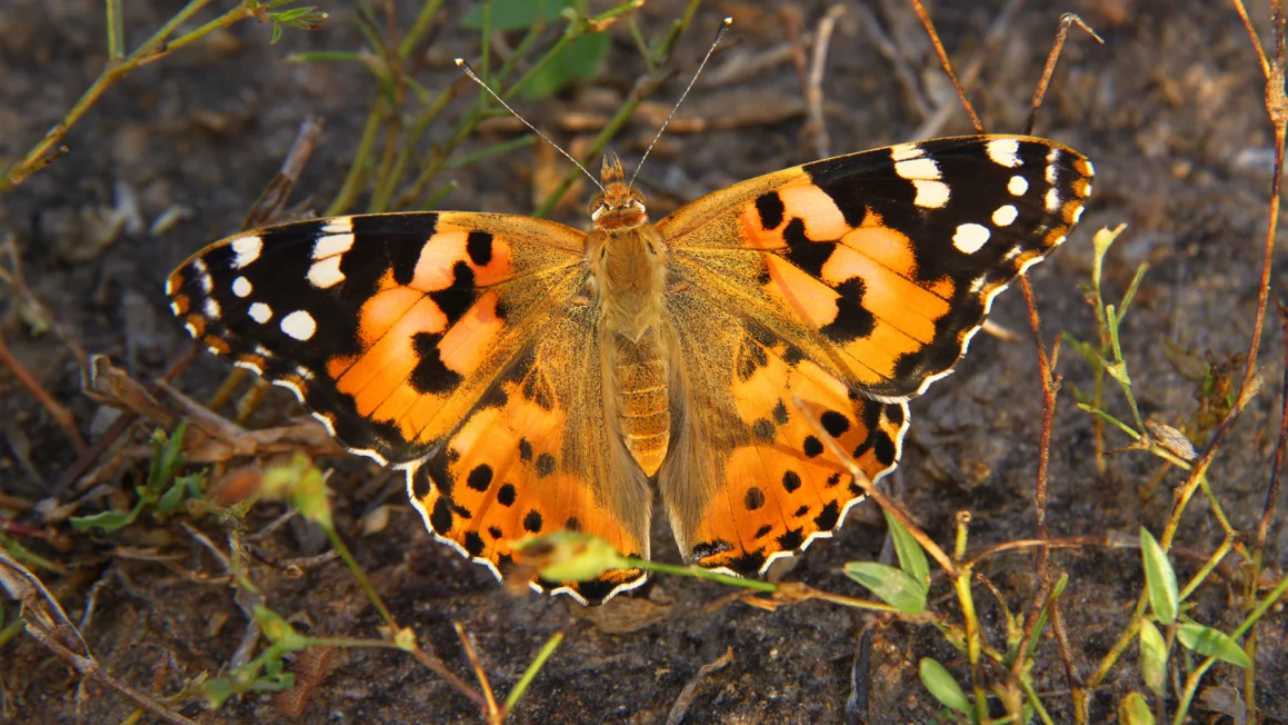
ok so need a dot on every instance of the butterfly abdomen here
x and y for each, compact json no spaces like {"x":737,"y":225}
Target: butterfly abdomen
{"x":643,"y":399}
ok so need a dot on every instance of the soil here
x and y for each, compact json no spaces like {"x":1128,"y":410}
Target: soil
{"x":1170,"y":110}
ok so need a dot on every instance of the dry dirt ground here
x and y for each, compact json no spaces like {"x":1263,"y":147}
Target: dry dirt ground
{"x":1170,"y":110}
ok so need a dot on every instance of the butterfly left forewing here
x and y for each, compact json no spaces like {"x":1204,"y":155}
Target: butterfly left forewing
{"x":389,"y":327}
{"x":848,"y":284}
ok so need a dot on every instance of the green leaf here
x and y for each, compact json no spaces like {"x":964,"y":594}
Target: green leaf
{"x":171,"y":499}
{"x":911,"y":558}
{"x":1091,"y":354}
{"x":306,"y":18}
{"x":570,"y":556}
{"x":278,"y":631}
{"x":515,"y":14}
{"x":167,"y":457}
{"x":1133,"y":710}
{"x":107,"y":521}
{"x":1045,"y":611}
{"x":1153,"y":657}
{"x":1212,"y":643}
{"x":1160,"y":579}
{"x":579,"y":59}
{"x":303,"y":484}
{"x":1131,"y":290}
{"x":942,"y":685}
{"x":1118,"y":370}
{"x":892,"y":586}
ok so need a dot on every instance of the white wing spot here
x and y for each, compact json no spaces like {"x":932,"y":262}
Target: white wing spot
{"x":247,"y":250}
{"x":331,"y":245}
{"x":905,"y":151}
{"x":325,"y":274}
{"x":174,"y":307}
{"x":303,"y":372}
{"x":970,"y":238}
{"x":242,"y":287}
{"x":1090,"y":170}
{"x":1004,"y":152}
{"x":212,"y":308}
{"x":1018,"y":186}
{"x":299,"y":325}
{"x":1052,"y":200}
{"x":1012,"y":253}
{"x":1005,"y":215}
{"x":203,"y":276}
{"x":338,"y":225}
{"x":930,"y":194}
{"x":260,"y":312}
{"x":1052,"y":174}
{"x":191,"y":330}
{"x":1077,"y":214}
{"x":921,"y":168}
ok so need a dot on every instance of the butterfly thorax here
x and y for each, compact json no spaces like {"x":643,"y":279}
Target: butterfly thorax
{"x":627,"y":259}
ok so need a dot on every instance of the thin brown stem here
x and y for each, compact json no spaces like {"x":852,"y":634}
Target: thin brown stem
{"x":1277,"y":109}
{"x":493,"y":711}
{"x":89,"y":667}
{"x":816,"y":127}
{"x":945,"y":63}
{"x":274,"y":196}
{"x":1252,"y":37}
{"x":1272,"y":488}
{"x":1048,"y":70}
{"x":59,"y":412}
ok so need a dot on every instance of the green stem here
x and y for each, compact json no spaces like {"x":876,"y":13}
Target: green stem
{"x":973,"y":642}
{"x":419,"y":29}
{"x":363,"y":581}
{"x":697,"y":573}
{"x":115,"y":32}
{"x":495,"y":150}
{"x":157,"y":47}
{"x":357,"y":171}
{"x":531,"y":673}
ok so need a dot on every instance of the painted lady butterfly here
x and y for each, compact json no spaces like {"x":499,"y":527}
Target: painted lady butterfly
{"x":530,"y":377}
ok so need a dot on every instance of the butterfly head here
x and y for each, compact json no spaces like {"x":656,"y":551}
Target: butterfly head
{"x":618,"y":206}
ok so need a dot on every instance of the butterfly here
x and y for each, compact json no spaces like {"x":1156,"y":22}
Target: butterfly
{"x":530,"y":377}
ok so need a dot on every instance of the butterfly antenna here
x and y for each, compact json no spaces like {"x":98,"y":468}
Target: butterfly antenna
{"x":719,"y":34}
{"x":460,"y":62}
